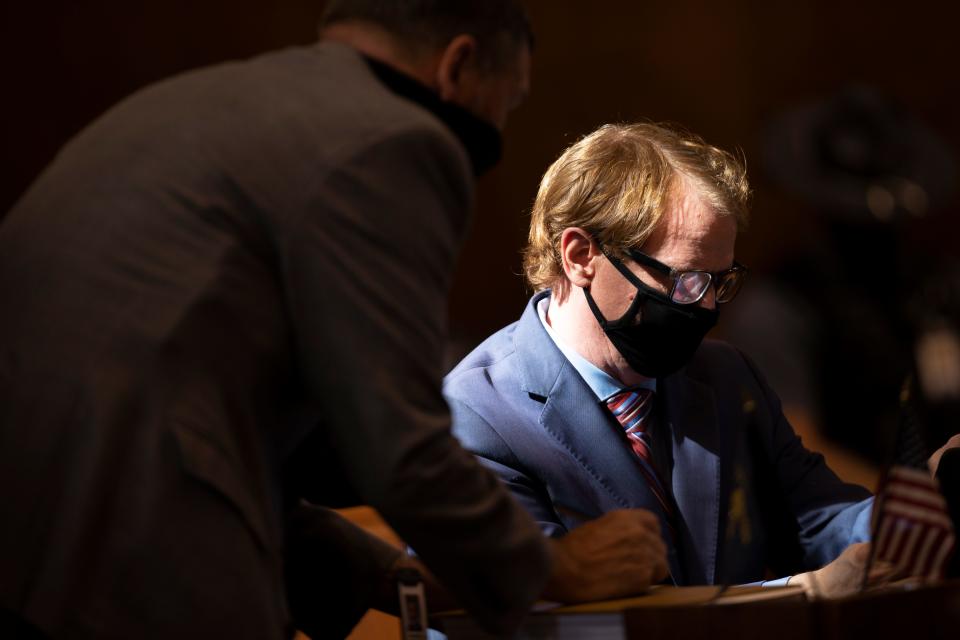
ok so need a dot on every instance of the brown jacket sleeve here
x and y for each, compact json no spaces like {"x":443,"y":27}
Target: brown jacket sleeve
{"x":367,"y":269}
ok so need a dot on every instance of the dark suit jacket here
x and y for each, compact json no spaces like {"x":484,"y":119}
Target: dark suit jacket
{"x":229,"y":268}
{"x":748,"y":494}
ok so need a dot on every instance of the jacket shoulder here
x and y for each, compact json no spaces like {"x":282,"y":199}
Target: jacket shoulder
{"x":488,"y":353}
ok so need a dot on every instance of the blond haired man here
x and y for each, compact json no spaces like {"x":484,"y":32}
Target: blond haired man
{"x":604,"y":396}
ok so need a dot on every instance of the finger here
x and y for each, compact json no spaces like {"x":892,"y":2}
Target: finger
{"x":882,"y":567}
{"x":886,"y":573}
{"x":657,"y":543}
{"x":660,"y":569}
{"x":655,"y":554}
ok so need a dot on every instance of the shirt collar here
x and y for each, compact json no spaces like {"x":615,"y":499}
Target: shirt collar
{"x":600,"y":382}
{"x":481,"y":139}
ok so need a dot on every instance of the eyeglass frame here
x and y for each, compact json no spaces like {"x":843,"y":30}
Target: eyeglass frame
{"x":675,"y":274}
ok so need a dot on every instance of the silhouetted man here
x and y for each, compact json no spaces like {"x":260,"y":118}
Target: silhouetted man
{"x":227,"y":295}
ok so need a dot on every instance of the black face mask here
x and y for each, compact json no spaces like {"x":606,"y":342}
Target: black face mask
{"x":667,"y":335}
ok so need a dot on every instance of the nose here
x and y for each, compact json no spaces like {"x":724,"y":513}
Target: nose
{"x":709,"y":299}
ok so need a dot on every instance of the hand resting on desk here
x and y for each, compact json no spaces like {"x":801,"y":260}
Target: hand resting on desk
{"x":844,"y":576}
{"x":619,"y":554}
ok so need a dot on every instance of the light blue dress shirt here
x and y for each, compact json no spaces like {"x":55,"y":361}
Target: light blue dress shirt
{"x":600,"y":382}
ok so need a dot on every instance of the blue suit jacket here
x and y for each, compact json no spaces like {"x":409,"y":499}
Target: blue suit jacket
{"x":750,"y":498}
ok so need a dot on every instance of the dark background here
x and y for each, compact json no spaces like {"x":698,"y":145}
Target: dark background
{"x":722,"y":69}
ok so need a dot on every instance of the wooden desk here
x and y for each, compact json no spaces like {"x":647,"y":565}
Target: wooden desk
{"x":920,"y":613}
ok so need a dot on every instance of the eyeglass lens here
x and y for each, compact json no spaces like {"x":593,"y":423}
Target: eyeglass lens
{"x":690,"y":286}
{"x":729,"y":285}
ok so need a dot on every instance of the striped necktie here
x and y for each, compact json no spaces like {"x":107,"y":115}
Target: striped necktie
{"x":632,"y":409}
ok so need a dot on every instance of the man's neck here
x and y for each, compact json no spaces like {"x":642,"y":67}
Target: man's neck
{"x":570,"y":317}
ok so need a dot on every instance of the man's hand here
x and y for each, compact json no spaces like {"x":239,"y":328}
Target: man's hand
{"x":934,"y":461}
{"x":844,"y":576}
{"x":619,"y":554}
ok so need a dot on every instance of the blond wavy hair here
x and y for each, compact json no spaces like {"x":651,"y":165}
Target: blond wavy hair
{"x":616,"y":182}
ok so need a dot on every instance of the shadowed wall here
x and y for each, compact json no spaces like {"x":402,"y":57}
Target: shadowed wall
{"x":721,"y":69}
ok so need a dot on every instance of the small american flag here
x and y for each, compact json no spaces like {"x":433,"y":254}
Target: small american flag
{"x":912,"y":528}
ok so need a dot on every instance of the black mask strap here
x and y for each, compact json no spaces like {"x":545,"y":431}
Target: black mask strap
{"x":646,"y":291}
{"x":627,"y":319}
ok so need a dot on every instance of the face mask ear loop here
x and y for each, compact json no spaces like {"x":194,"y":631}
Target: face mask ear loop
{"x":593,"y":307}
{"x":631,"y":311}
{"x":622,"y":268}
{"x":626,"y":319}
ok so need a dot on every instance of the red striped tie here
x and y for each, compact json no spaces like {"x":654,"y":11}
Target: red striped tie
{"x":632,"y":408}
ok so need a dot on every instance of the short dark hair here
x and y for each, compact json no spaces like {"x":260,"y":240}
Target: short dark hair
{"x":500,"y":27}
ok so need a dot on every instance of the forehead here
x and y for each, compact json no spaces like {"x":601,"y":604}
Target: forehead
{"x":692,"y":234}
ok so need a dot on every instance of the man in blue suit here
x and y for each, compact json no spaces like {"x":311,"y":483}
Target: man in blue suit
{"x":604,"y":396}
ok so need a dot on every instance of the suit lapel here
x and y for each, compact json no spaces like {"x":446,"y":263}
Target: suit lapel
{"x":573,"y":416}
{"x":690,"y":412}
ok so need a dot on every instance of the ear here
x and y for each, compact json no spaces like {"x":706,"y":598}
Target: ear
{"x":578,"y":253}
{"x":455,"y":58}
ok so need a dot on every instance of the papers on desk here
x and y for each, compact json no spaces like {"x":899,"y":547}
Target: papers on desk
{"x":610,"y":619}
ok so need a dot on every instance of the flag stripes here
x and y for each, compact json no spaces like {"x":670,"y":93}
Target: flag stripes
{"x":912,"y":530}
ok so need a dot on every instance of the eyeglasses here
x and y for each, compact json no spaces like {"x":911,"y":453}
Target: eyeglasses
{"x":689,"y":287}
